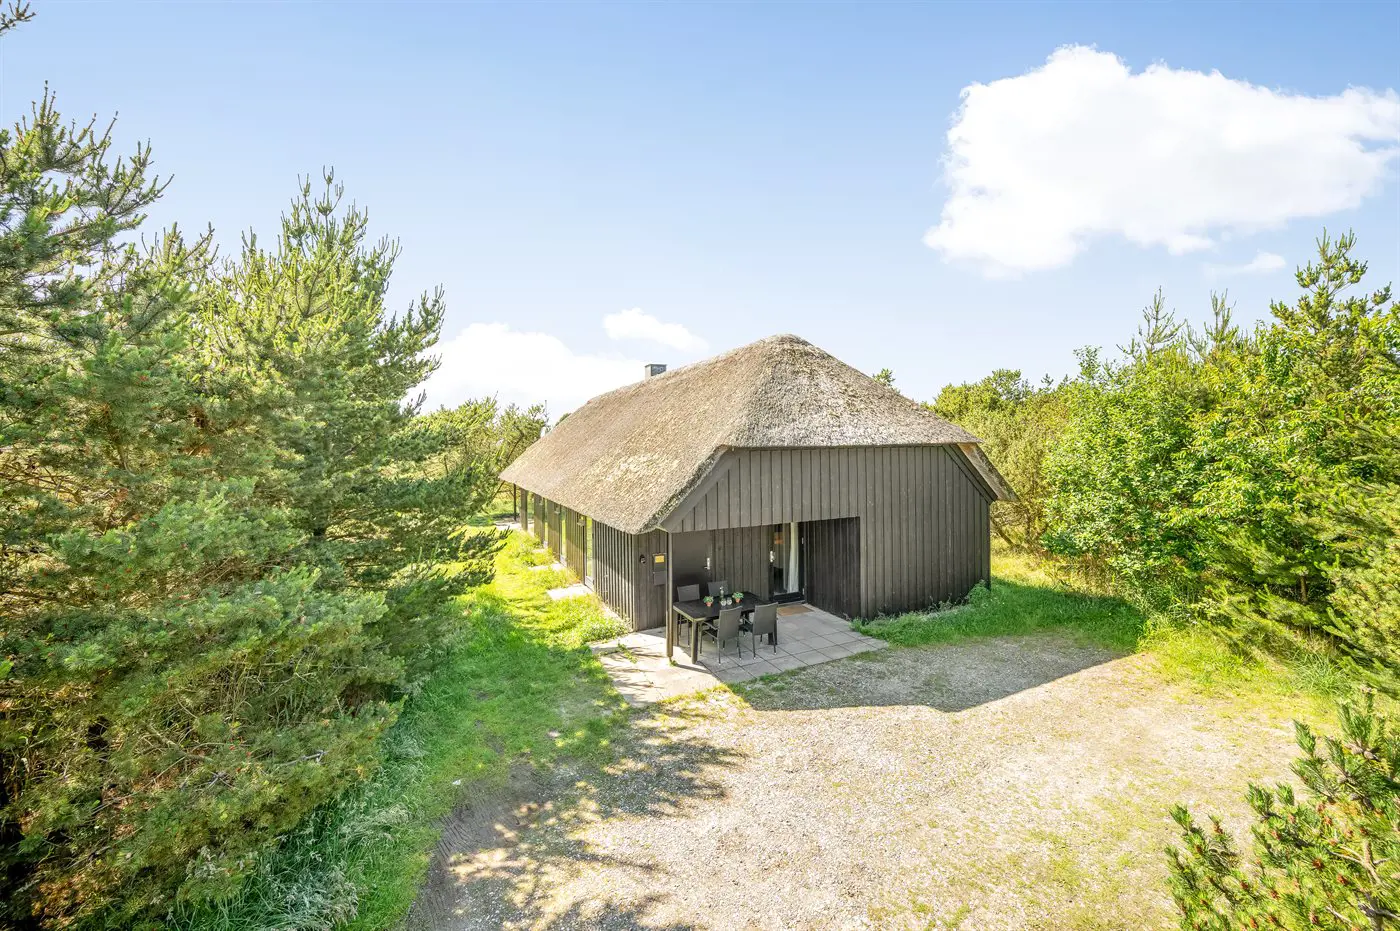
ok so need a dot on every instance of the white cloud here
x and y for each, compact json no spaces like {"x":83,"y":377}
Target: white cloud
{"x":524,"y":368}
{"x":634,"y":324}
{"x":1039,"y":164}
{"x":1261,"y":264}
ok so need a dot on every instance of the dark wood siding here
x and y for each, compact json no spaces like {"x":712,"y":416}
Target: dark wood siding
{"x":574,"y":525}
{"x":616,"y":554}
{"x":522,"y":508}
{"x":653,"y":590}
{"x":626,"y":577}
{"x":553,"y":523}
{"x":537,"y":516}
{"x":923,"y":529}
{"x":740,"y":557}
{"x":623,"y":571}
{"x":831,"y":564}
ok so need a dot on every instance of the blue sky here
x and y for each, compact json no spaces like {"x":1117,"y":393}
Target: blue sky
{"x":705,"y":175}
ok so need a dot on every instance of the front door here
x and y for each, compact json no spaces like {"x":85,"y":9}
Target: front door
{"x":690,"y":559}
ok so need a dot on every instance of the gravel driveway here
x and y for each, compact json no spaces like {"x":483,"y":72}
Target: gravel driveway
{"x":996,"y":784}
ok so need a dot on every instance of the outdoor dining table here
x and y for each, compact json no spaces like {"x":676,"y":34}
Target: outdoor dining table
{"x":697,"y":612}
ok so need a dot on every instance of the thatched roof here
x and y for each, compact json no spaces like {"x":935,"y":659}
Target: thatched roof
{"x":626,"y":458}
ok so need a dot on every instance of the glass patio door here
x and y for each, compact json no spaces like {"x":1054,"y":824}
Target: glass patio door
{"x":783,"y":556}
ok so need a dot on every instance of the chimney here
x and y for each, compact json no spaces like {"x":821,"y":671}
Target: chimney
{"x":655,"y":368}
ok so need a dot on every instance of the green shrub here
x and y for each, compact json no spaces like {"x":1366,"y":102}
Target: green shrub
{"x":1329,"y":860}
{"x":516,"y":688}
{"x":1251,"y":475}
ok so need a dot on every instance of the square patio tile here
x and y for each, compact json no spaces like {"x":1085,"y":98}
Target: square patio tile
{"x":784,"y":663}
{"x":839,"y":650}
{"x":804,"y":634}
{"x":812,"y":657}
{"x":826,"y":636}
{"x":844,"y":636}
{"x":809,"y":635}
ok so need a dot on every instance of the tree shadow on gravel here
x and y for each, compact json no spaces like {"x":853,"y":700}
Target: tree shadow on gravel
{"x":1016,"y":635}
{"x":500,"y":858}
{"x":611,"y":916}
{"x":948,"y":677}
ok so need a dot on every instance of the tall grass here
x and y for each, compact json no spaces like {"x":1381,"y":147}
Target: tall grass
{"x":520,"y":686}
{"x":1024,"y":598}
{"x":1028,"y":595}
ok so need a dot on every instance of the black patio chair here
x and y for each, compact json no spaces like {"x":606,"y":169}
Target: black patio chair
{"x":725,"y":627}
{"x":717,"y":589}
{"x":763,"y":621}
{"x":685,"y":593}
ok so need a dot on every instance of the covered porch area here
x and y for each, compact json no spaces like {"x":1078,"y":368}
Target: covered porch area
{"x":807,"y":636}
{"x":806,"y":568}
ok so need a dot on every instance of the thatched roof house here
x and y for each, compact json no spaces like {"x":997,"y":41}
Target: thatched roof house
{"x":731,"y":454}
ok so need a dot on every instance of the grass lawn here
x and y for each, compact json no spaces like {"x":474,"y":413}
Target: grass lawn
{"x":520,"y":688}
{"x":1027,"y":597}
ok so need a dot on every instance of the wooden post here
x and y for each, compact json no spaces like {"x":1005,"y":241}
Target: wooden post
{"x":669,"y":600}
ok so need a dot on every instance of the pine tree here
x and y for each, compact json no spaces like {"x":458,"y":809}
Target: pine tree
{"x":172,"y":666}
{"x":1297,"y":459}
{"x":1217,"y":337}
{"x":305,"y":329}
{"x":1159,"y":329}
{"x":1361,"y":525}
{"x":219,"y":550}
{"x":1329,"y":861}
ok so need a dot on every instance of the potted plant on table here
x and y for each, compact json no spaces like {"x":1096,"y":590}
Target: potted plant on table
{"x":709,"y":601}
{"x":738,"y":597}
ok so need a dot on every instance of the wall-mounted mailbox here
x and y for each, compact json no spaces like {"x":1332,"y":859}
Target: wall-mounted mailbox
{"x":658,"y":569}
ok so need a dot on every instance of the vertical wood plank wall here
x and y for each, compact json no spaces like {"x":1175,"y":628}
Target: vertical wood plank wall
{"x":615,"y":553}
{"x":553,"y":522}
{"x":653,"y":600}
{"x":923,"y":536}
{"x":537,"y":516}
{"x":740,"y":557}
{"x":574,"y":525}
{"x":622,"y":575}
{"x":831,"y":565}
{"x":924,"y":531}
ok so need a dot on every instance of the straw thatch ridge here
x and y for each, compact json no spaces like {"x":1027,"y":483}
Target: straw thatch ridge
{"x":626,"y":458}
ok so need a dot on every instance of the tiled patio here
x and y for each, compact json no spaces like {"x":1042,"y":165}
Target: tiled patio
{"x":806,"y":636}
